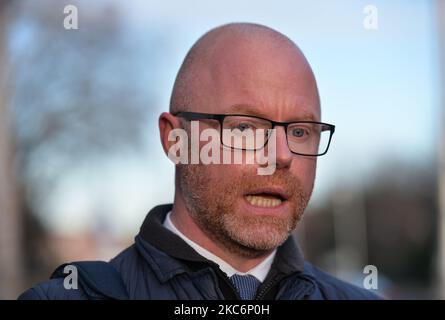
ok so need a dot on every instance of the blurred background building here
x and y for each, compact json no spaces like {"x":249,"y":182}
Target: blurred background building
{"x":80,"y":158}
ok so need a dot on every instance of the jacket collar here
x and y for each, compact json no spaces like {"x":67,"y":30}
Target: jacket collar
{"x":288,"y":259}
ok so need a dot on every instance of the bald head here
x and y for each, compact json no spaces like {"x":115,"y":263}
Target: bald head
{"x":243,"y":69}
{"x":242,"y":57}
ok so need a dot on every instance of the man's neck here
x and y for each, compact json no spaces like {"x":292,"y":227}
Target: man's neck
{"x":185,"y":224}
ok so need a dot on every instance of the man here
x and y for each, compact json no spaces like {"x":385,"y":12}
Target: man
{"x":226,"y":236}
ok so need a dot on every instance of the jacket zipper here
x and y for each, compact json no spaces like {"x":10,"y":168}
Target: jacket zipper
{"x":269,"y":285}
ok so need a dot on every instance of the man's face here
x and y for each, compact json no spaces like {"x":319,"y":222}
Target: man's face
{"x":245,"y":212}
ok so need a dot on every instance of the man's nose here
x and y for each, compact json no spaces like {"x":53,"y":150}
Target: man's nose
{"x":283,"y":155}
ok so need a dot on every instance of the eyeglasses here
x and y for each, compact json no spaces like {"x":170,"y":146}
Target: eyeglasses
{"x":307,"y":138}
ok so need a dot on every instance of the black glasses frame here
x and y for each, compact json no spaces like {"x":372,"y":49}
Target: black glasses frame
{"x":220,"y":118}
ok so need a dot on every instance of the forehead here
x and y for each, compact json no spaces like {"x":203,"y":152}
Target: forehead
{"x":302,"y":112}
{"x":267,"y":82}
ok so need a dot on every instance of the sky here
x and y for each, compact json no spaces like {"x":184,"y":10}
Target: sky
{"x":379,"y":87}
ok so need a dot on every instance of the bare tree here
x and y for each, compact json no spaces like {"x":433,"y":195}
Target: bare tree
{"x":75,"y":95}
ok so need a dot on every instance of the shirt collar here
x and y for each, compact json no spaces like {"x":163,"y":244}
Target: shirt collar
{"x":260,"y":271}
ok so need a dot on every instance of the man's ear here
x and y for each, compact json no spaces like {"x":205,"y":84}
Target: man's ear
{"x":167,"y":122}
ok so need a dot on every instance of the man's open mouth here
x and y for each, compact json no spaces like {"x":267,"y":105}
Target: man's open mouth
{"x":266,"y":198}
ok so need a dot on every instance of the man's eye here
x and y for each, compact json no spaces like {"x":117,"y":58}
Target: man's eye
{"x":242,"y":126}
{"x":299,"y":132}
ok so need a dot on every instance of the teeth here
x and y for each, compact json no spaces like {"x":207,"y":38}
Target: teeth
{"x":263,"y":201}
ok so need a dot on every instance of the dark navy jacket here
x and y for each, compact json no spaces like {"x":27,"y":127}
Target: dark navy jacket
{"x":160,"y":265}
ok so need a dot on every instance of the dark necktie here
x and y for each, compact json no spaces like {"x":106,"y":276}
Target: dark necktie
{"x":246,"y":285}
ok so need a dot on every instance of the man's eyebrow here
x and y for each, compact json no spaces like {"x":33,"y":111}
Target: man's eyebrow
{"x":246,"y":109}
{"x":306,"y":116}
{"x":254,"y":111}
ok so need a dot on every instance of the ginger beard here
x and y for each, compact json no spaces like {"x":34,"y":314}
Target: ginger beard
{"x":215,"y":206}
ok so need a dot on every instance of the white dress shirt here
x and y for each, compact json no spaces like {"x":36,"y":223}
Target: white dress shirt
{"x":259,"y":272}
